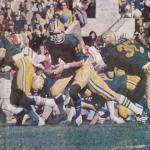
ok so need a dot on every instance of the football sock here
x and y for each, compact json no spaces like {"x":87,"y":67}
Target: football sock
{"x":110,"y":105}
{"x":77,"y":105}
{"x":127,"y":103}
{"x":74,"y":91}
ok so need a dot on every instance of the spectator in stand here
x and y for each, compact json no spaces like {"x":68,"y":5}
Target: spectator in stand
{"x":4,"y":23}
{"x":40,"y":10}
{"x":91,"y":11}
{"x":91,"y":39}
{"x":56,"y":24}
{"x":30,"y":31}
{"x":66,"y":12}
{"x":11,"y":26}
{"x":138,"y":4}
{"x":51,"y":2}
{"x":50,"y":13}
{"x":19,"y":22}
{"x":80,"y":9}
{"x":22,"y":6}
{"x":8,"y":14}
{"x":146,"y":11}
{"x":27,"y":10}
{"x":140,"y":36}
{"x":38,"y":19}
{"x":27,"y":32}
{"x":34,"y":6}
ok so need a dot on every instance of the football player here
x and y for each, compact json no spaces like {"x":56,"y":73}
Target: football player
{"x":11,"y":55}
{"x":80,"y":70}
{"x":127,"y":56}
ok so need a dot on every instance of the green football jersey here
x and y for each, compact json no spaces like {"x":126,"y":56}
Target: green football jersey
{"x":125,"y":55}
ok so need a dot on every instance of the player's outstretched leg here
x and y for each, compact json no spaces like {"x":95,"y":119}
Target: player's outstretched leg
{"x":143,"y":114}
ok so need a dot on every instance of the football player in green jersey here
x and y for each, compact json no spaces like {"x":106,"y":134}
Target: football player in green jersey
{"x":128,"y":56}
{"x":80,"y":69}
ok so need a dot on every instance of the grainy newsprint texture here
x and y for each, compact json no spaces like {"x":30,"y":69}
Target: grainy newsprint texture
{"x":74,"y":74}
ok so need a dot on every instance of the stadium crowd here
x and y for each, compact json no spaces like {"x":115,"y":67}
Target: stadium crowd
{"x":43,"y":91}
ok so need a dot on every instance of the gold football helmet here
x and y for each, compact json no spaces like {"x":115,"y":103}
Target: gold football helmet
{"x":123,"y":112}
{"x":37,"y":82}
{"x":109,"y":37}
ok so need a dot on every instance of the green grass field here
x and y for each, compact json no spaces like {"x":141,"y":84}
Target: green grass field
{"x":101,"y":137}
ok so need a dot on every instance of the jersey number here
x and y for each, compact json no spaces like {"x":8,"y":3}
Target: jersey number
{"x":128,"y":48}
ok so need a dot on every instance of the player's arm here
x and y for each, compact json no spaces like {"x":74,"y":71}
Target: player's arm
{"x":61,"y":67}
{"x":74,"y":64}
{"x":79,"y":56}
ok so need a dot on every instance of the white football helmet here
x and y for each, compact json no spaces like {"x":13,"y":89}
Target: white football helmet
{"x":109,"y":37}
{"x":37,"y":82}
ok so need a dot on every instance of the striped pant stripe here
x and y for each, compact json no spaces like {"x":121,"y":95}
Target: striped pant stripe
{"x":100,"y":90}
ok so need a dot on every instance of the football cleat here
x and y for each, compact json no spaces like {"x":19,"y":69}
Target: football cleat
{"x":41,"y":122}
{"x":29,"y":122}
{"x":117,"y":120}
{"x":142,"y":119}
{"x":19,"y":117}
